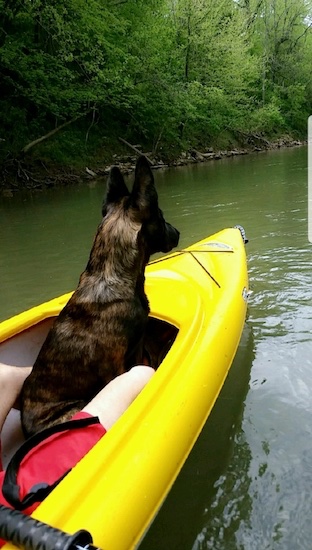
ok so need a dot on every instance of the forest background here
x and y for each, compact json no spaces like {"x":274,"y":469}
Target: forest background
{"x":77,"y":75}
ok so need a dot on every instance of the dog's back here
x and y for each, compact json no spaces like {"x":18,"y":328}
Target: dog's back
{"x":99,"y":333}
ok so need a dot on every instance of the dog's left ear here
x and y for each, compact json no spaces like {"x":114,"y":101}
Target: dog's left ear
{"x":143,"y":195}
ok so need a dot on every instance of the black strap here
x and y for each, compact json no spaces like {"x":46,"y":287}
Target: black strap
{"x":10,"y":488}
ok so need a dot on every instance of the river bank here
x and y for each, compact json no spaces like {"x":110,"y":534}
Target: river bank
{"x":35,"y":174}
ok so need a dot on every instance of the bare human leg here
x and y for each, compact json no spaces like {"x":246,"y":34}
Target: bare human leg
{"x":11,"y":382}
{"x":110,"y":403}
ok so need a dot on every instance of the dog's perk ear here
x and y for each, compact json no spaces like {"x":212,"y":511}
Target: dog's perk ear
{"x":144,"y":195}
{"x":116,"y":188}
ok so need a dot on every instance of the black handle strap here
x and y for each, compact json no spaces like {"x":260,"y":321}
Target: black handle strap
{"x":10,"y":488}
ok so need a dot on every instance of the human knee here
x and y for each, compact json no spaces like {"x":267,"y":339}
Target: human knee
{"x":111,"y":402}
{"x":141,"y":373}
{"x":13,"y":376}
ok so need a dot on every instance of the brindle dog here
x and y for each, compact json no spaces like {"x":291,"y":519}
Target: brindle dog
{"x":99,"y":333}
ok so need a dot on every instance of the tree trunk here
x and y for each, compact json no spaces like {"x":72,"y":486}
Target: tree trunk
{"x":49,"y":134}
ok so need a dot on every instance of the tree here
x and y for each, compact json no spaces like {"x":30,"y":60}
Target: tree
{"x":281,"y":34}
{"x":57,"y":59}
{"x":215,"y":65}
{"x":168,"y":73}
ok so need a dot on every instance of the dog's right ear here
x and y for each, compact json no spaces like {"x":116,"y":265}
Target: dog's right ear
{"x":116,"y":188}
{"x":144,"y":195}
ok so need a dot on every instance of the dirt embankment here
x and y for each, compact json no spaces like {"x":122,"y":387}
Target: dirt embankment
{"x":17,"y":174}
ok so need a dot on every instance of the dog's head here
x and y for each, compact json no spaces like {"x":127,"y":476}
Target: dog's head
{"x":141,"y":207}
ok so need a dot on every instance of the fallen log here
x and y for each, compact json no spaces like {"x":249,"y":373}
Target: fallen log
{"x":51,"y":133}
{"x":134,"y":149}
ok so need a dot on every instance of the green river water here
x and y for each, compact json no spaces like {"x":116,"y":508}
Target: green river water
{"x":247,"y":483}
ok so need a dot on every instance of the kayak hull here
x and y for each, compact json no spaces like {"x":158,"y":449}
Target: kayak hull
{"x":116,"y":490}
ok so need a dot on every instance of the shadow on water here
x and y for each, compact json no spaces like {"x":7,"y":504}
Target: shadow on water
{"x":204,"y":505}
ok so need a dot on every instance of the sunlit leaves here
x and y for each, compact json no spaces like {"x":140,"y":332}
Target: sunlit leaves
{"x":167,"y":71}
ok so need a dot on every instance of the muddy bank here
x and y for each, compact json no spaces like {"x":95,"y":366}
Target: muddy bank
{"x":18,"y":174}
{"x":256,"y":144}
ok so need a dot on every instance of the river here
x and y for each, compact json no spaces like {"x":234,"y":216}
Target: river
{"x":247,"y":483}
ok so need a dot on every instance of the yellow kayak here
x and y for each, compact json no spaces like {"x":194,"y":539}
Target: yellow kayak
{"x":116,"y":490}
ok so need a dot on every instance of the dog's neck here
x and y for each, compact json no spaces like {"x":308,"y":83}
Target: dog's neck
{"x":114,"y":275}
{"x":117,"y":261}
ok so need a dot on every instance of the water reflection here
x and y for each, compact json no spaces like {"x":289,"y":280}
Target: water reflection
{"x":207,"y":512}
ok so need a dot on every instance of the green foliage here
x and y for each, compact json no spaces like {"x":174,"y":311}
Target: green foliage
{"x":161,"y":72}
{"x":267,"y":120}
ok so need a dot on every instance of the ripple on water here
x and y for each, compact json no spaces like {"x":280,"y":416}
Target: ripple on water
{"x":281,"y":284}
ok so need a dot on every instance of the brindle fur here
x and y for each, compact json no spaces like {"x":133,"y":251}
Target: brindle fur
{"x":99,"y":333}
